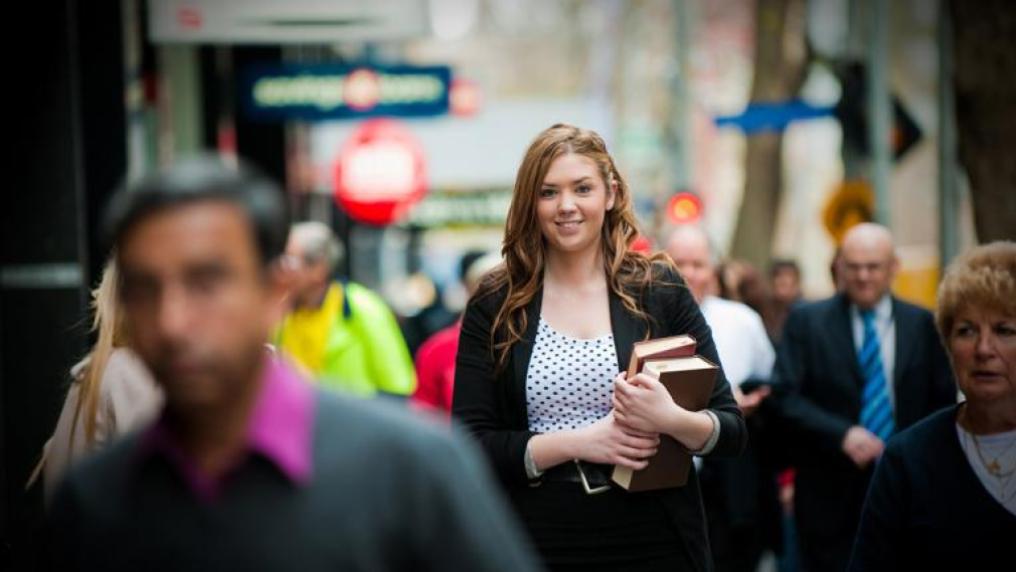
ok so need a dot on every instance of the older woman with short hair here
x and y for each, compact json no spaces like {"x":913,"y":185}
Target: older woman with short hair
{"x":944,"y":492}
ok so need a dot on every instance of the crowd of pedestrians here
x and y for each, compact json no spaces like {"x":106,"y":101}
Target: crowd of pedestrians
{"x":229,"y":417}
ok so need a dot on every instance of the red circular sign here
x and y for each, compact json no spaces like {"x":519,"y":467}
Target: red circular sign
{"x":380,"y":173}
{"x":684,"y":208}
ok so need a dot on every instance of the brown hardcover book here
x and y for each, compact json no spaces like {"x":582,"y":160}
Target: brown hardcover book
{"x":660,"y":348}
{"x":690,"y":382}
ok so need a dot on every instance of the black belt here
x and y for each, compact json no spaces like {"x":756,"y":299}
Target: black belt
{"x":593,"y":477}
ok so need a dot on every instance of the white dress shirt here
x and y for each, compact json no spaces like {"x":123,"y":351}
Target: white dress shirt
{"x":741,"y":340}
{"x":742,"y":344}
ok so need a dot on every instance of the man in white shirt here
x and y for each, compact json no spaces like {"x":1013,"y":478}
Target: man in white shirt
{"x":738,"y":331}
{"x":735,"y":491}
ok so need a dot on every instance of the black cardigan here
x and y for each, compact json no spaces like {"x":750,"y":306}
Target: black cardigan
{"x":927,"y":509}
{"x":492,"y":403}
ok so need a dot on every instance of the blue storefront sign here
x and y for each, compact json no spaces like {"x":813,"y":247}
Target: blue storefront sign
{"x":283,"y":92}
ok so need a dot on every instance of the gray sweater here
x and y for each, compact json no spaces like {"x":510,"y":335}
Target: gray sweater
{"x":388,"y":493}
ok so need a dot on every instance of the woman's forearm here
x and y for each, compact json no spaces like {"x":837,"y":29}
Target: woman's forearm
{"x":551,"y":449}
{"x":691,"y":428}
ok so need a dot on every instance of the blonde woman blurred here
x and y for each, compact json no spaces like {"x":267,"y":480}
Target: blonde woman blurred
{"x":111,"y":393}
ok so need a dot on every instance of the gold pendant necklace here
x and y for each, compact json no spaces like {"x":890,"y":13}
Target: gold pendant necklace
{"x":994,"y":467}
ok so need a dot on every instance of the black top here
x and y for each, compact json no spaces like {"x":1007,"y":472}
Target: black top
{"x":492,"y":403}
{"x":387,"y":493}
{"x":927,"y":510}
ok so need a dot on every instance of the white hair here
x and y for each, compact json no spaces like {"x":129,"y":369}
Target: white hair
{"x":318,"y":243}
{"x":680,"y":232}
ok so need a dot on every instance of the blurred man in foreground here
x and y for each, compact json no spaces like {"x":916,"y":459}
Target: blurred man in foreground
{"x":248,"y":466}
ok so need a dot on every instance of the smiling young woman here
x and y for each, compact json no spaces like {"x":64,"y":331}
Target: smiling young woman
{"x":537,"y":379}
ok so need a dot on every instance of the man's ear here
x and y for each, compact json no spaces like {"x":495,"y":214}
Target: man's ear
{"x":894,"y":267}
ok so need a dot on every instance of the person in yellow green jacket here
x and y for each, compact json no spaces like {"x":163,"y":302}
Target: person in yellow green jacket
{"x":342,"y":333}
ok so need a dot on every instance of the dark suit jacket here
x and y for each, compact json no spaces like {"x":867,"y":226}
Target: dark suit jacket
{"x":819,"y":384}
{"x":492,"y":403}
{"x":927,"y":509}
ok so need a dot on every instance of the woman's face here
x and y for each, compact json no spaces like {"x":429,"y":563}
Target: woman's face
{"x":571,"y":204}
{"x":983,"y":348}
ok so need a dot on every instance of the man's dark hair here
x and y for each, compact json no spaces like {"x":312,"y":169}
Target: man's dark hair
{"x":204,"y":178}
{"x":778,"y":265}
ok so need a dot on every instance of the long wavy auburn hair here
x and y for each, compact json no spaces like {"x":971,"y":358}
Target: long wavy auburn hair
{"x":524,"y":246}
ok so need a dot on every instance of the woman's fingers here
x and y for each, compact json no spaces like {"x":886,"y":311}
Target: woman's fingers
{"x":640,"y":442}
{"x":621,"y":398}
{"x":622,"y":387}
{"x":636,"y":464}
{"x":636,"y":453}
{"x":633,"y":424}
{"x":651,"y":435}
{"x":643,"y":380}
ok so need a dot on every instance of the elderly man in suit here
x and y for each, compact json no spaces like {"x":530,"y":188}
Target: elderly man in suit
{"x":851,"y":371}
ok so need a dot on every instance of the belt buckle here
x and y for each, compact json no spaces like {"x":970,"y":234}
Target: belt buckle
{"x":585,"y":482}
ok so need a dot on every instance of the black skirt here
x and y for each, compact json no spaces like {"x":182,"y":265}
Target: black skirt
{"x":615,"y":530}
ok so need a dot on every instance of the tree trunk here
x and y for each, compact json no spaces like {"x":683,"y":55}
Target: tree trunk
{"x":985,"y":65}
{"x":780,"y":64}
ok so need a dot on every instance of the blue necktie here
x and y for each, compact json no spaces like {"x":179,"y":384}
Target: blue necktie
{"x":876,"y":411}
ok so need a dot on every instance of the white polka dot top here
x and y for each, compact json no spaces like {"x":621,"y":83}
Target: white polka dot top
{"x":570,"y":381}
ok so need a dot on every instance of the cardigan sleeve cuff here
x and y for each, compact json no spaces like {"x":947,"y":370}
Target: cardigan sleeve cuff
{"x":531,"y":471}
{"x":714,"y":437}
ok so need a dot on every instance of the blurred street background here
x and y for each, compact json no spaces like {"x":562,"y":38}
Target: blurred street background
{"x":776,"y":124}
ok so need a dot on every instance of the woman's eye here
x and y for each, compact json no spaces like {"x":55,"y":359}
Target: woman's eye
{"x":546,"y":193}
{"x":1006,"y":330}
{"x":962,"y":331}
{"x":583,"y":189}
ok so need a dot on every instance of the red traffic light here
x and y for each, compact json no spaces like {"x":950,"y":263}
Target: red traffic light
{"x":684,"y":208}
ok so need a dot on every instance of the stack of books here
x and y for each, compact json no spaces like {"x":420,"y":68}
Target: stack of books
{"x":690,"y":379}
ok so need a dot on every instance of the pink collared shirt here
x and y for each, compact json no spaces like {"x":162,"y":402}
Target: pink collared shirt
{"x":280,"y":429}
